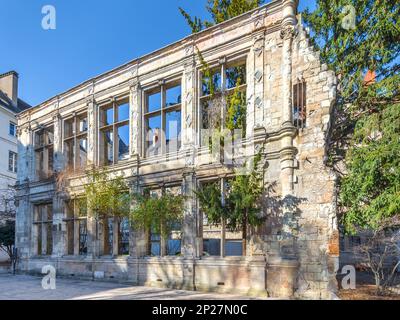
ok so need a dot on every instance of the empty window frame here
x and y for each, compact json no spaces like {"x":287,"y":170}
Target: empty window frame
{"x":12,"y":161}
{"x":43,"y":231}
{"x":114,"y":132}
{"x":216,"y":89}
{"x":44,"y":152}
{"x":299,"y":104}
{"x":75,"y":142}
{"x":76,"y":222}
{"x":162,"y":119}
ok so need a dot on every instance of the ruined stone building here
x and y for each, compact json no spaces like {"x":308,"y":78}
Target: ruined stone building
{"x":122,"y":120}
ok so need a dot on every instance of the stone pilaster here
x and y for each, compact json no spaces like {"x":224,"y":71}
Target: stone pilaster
{"x":92,"y":131}
{"x":137,"y":237}
{"x":188,"y":136}
{"x":189,"y":221}
{"x":135,"y":116}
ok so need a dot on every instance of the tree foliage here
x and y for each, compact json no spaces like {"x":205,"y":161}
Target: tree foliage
{"x":106,"y":195}
{"x":7,"y":236}
{"x":220,"y":11}
{"x":364,"y":130}
{"x":158,"y":214}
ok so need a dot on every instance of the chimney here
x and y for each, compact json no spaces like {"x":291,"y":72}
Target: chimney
{"x":9,"y":85}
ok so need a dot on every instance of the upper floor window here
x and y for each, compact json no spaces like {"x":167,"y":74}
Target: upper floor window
{"x":12,"y":161}
{"x":44,"y":152}
{"x":223,"y":98}
{"x":114,"y":132}
{"x":12,"y":129}
{"x":299,"y":104}
{"x":75,"y":142}
{"x":163,"y":119}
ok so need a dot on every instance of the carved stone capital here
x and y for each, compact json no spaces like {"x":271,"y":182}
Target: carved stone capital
{"x":288,"y":32}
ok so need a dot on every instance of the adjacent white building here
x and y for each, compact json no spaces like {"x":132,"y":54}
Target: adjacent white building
{"x":10,"y":105}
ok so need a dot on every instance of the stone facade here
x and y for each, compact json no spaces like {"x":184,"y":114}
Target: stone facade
{"x":295,"y":254}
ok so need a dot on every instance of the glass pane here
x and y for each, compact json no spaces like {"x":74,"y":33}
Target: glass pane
{"x":49,"y":239}
{"x":83,"y":125}
{"x":235,"y":76}
{"x":154,"y":102}
{"x":69,"y":128}
{"x":174,"y":247}
{"x":233,"y":247}
{"x":82,"y":237}
{"x":123,"y":112}
{"x":173,"y":130}
{"x":123,"y":248}
{"x":107,"y":147}
{"x":123,"y":142}
{"x":212,"y":247}
{"x":173,"y":96}
{"x":39,"y":139}
{"x":107,"y":117}
{"x":82,"y":160}
{"x":153,"y":136}
{"x":69,"y":153}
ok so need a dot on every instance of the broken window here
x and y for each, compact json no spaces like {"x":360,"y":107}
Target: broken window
{"x":76,"y":222}
{"x":43,"y":231}
{"x":163,"y":119}
{"x":44,"y":152}
{"x":216,"y":236}
{"x":223,"y":99}
{"x":114,"y":132}
{"x":156,"y":245}
{"x":299,"y":104}
{"x":75,"y":142}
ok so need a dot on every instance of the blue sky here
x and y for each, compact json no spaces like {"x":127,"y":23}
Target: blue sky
{"x":92,"y":36}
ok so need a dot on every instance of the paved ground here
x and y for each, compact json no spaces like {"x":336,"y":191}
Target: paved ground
{"x":21,"y":287}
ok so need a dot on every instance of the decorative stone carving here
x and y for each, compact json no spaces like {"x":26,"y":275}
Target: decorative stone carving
{"x":258,"y":44}
{"x":288,"y":32}
{"x":258,"y":75}
{"x":258,"y":102}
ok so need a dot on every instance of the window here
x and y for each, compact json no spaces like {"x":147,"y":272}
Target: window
{"x":43,"y":222}
{"x":213,"y":235}
{"x":114,"y":132}
{"x":299,"y":104}
{"x":12,"y":161}
{"x":172,"y":245}
{"x":163,"y":119}
{"x":12,"y":129}
{"x":76,"y":222}
{"x":75,"y":142}
{"x":217,"y":89}
{"x":44,"y":152}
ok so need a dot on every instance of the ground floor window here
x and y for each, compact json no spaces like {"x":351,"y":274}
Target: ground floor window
{"x":114,"y":233}
{"x":76,"y":222}
{"x":43,"y":229}
{"x":215,"y":235}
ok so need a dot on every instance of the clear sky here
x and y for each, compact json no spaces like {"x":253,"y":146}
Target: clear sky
{"x":91,"y":37}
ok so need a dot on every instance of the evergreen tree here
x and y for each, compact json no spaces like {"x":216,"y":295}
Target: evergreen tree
{"x":360,"y":41}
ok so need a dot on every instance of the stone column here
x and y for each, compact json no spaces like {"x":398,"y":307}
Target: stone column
{"x":92,"y":241}
{"x":59,"y":227}
{"x":24,"y":211}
